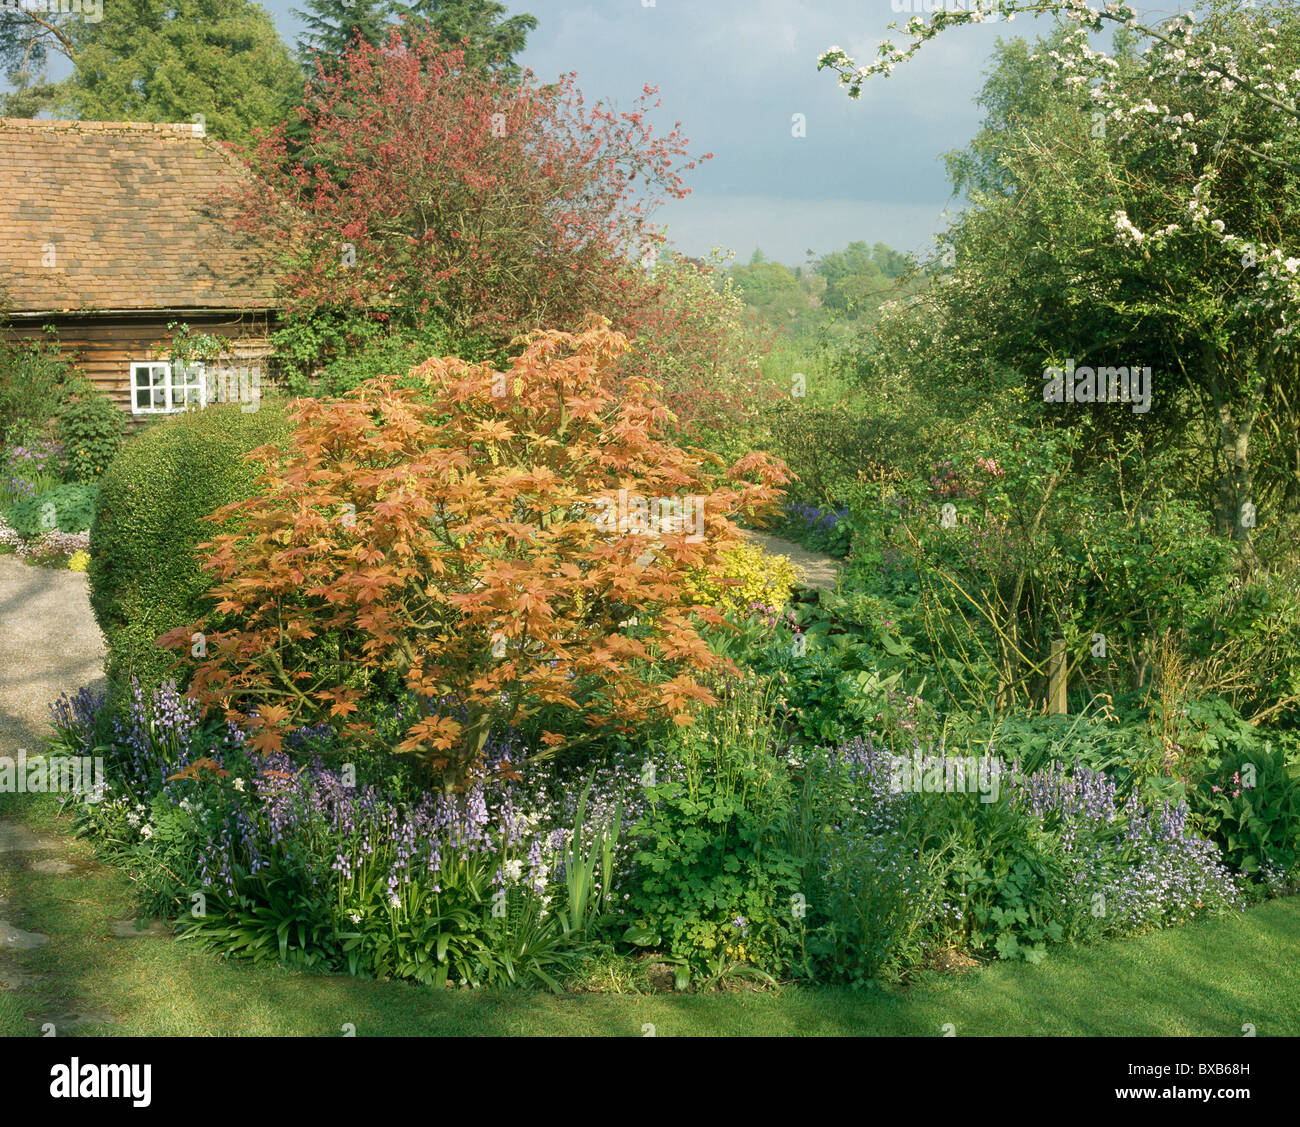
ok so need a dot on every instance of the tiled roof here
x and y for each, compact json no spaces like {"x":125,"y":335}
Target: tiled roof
{"x":127,"y":207}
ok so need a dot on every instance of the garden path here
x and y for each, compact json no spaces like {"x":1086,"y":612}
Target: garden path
{"x":49,"y":644}
{"x":820,"y":570}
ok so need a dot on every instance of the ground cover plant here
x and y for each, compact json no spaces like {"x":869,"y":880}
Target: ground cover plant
{"x":1173,"y":982}
{"x":44,"y":519}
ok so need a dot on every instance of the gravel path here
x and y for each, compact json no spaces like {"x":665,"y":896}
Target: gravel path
{"x":820,"y":570}
{"x":49,"y":644}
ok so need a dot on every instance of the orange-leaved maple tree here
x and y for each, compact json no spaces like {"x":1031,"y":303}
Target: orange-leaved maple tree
{"x":496,"y":543}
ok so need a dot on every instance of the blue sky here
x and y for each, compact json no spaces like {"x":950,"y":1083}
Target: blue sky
{"x":734,"y":72}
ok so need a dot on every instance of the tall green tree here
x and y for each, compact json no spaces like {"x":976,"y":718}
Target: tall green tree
{"x":334,"y":25}
{"x":853,"y":279}
{"x":150,"y":60}
{"x":28,"y":41}
{"x":492,"y":37}
{"x":891,"y":263}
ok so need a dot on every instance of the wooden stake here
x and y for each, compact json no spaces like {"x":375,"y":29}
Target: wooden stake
{"x":1056,"y":688}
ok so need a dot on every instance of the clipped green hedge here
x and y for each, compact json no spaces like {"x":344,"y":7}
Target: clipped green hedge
{"x":144,"y":576}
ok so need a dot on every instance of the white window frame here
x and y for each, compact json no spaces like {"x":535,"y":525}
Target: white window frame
{"x":195,"y":381}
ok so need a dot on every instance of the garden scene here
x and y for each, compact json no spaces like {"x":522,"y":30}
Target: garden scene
{"x":572,"y":636}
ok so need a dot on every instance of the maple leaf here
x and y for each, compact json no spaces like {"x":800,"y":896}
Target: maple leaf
{"x":345,"y":701}
{"x":272,"y":714}
{"x":266,"y":741}
{"x":195,"y":770}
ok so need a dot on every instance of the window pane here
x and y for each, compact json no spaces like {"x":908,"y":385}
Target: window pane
{"x":158,"y":375}
{"x":142,"y":381}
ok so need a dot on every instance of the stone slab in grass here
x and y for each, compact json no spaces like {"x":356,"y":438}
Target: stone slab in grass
{"x":17,"y":838}
{"x":14,"y":977}
{"x":15,"y":939}
{"x":130,"y":929}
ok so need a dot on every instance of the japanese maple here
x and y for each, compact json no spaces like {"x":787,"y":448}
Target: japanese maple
{"x":483,"y":544}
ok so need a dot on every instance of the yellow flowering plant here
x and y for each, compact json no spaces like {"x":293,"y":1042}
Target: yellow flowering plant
{"x":748,"y":575}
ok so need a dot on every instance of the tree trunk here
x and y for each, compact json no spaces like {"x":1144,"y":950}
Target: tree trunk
{"x":1235,"y":516}
{"x":1234,"y":507}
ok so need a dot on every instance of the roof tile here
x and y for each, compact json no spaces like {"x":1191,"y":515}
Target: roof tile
{"x":130,"y":209}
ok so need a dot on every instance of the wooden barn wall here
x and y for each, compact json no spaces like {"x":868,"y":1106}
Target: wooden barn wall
{"x":105,"y":347}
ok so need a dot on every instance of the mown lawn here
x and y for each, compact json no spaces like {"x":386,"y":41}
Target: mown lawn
{"x":1207,"y":979}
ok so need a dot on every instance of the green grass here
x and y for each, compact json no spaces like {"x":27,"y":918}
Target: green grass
{"x":1206,"y":979}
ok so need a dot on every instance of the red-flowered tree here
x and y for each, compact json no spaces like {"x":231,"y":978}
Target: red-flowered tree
{"x":504,"y":543}
{"x":429,"y":187}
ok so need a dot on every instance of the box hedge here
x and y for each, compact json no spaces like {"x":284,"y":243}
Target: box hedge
{"x":145,"y":578}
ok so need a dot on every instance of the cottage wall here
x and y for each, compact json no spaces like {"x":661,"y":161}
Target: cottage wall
{"x":104,"y":346}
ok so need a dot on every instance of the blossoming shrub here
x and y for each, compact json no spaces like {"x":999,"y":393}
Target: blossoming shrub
{"x":471,"y":546}
{"x":396,"y":159}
